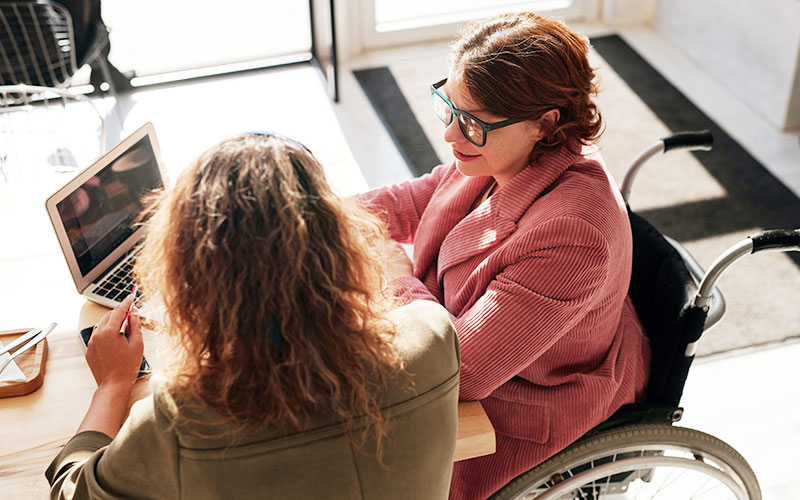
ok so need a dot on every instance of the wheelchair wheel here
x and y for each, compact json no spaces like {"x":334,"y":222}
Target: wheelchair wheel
{"x":639,"y":461}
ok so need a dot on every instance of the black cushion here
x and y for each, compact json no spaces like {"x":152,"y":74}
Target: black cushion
{"x":662,"y":291}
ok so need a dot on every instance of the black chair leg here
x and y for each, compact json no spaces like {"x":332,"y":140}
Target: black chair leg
{"x":104,"y":71}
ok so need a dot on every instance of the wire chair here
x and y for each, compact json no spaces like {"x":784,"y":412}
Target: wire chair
{"x":46,"y":130}
{"x":38,"y":45}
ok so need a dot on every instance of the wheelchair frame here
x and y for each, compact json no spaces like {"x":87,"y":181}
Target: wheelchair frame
{"x":627,"y":450}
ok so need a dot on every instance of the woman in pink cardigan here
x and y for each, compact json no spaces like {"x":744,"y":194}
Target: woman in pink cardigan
{"x":525,"y":240}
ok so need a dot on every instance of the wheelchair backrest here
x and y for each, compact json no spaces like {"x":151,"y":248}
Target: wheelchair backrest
{"x":662,"y":291}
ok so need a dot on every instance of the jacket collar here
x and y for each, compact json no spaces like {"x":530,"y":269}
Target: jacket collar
{"x":497,"y":217}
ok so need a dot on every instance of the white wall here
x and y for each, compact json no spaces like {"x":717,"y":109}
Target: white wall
{"x":752,"y":47}
{"x":628,"y":12}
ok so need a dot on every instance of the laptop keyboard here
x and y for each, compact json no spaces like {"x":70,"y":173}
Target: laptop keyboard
{"x":117,"y":285}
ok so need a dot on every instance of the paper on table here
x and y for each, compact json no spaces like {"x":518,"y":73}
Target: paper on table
{"x":10,"y":373}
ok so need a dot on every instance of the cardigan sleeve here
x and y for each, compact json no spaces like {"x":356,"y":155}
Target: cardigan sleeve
{"x":531,"y":304}
{"x":141,"y":462}
{"x":528,"y":306}
{"x":401,"y":205}
{"x":407,"y":289}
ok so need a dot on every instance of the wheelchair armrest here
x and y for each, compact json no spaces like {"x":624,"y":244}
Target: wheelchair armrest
{"x":717,"y":301}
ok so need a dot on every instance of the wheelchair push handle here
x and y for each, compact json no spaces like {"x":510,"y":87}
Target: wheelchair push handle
{"x":701,"y":140}
{"x":782,"y":240}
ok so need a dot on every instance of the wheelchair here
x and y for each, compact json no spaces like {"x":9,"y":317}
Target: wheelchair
{"x":638,"y":452}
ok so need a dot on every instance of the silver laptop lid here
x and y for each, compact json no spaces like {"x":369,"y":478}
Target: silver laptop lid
{"x":94,"y":215}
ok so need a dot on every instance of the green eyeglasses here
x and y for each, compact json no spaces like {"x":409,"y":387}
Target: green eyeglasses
{"x":473,"y":128}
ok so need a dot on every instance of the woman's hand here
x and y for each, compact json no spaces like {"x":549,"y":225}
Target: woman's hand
{"x":399,"y":263}
{"x":113,"y":358}
{"x":114,"y":361}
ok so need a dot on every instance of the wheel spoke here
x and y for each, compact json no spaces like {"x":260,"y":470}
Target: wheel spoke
{"x":608,"y":478}
{"x":669,"y":480}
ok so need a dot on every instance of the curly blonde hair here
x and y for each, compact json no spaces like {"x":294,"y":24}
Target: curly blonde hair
{"x":272,"y":288}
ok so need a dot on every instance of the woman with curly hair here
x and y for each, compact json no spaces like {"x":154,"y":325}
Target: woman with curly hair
{"x":525,"y":240}
{"x":296,"y":375}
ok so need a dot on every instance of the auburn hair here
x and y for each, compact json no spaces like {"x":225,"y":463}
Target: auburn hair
{"x":521,"y":65}
{"x":272,"y":286}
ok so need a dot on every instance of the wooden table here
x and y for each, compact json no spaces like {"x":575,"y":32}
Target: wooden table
{"x":35,"y":290}
{"x":475,"y":432}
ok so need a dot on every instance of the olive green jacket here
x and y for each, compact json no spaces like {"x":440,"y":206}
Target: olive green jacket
{"x":154,"y":456}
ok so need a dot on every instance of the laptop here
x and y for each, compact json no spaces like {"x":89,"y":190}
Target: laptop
{"x":94,"y":216}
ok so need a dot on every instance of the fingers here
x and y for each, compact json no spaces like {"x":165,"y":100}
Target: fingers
{"x":135,"y":330}
{"x":111,"y":356}
{"x":112,"y":320}
{"x":118,"y":313}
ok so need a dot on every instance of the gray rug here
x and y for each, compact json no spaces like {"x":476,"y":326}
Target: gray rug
{"x":706,"y":200}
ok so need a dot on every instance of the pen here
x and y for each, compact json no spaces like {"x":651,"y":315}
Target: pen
{"x":124,"y":327}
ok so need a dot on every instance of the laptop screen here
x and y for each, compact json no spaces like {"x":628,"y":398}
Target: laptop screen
{"x":100,"y":214}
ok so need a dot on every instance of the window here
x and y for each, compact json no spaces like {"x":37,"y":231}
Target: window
{"x":154,"y":37}
{"x":389,"y":22}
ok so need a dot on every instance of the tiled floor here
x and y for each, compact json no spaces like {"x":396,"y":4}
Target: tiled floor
{"x":777,"y":151}
{"x":748,"y":399}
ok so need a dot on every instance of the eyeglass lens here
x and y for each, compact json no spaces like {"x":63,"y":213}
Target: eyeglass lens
{"x":471,"y":129}
{"x":442,"y":109}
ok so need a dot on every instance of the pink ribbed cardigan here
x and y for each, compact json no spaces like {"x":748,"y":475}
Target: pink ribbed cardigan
{"x":536,"y":280}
